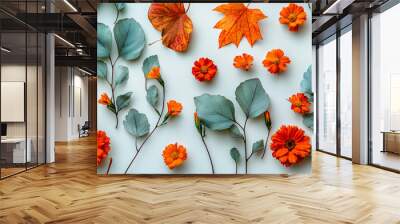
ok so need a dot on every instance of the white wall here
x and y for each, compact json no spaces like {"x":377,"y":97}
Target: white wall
{"x":69,"y":82}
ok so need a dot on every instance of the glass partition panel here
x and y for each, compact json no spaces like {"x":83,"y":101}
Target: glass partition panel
{"x":385,"y":90}
{"x":346,"y":94}
{"x":327,"y":97}
{"x":14,"y":153}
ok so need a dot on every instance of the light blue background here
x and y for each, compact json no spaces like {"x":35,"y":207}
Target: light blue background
{"x":181,"y":86}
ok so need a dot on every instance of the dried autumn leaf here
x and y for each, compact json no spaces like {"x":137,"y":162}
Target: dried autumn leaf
{"x":238,"y":21}
{"x":173,"y":23}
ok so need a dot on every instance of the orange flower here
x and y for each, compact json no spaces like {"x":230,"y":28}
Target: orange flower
{"x":174,"y":108}
{"x":293,"y":16}
{"x":244,"y":61}
{"x":174,"y":155}
{"x":103,"y":146}
{"x":276,"y":61}
{"x":290,"y":146}
{"x":267,"y":119}
{"x":300,"y":103}
{"x":104,"y":99}
{"x":196,"y":120}
{"x":204,"y":69}
{"x":154,"y":73}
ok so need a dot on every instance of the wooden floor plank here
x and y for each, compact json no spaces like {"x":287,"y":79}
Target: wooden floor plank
{"x":69,"y":191}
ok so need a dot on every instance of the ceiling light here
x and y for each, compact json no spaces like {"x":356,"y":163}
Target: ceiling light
{"x":5,"y":50}
{"x":65,"y":41}
{"x":70,"y":5}
{"x":337,"y":7}
{"x":84,"y":71}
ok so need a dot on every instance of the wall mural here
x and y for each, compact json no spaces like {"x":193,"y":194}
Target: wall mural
{"x":204,"y":88}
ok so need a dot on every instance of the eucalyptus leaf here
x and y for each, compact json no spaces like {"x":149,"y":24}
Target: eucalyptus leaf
{"x":121,"y":74}
{"x":235,"y":132}
{"x":215,"y":111}
{"x":120,"y":6}
{"x":123,"y":101}
{"x":101,"y":70}
{"x":258,"y":146}
{"x":306,"y":83}
{"x":130,"y":39}
{"x":235,"y":155}
{"x":104,"y":41}
{"x":308,"y":120}
{"x":149,"y":63}
{"x":252,"y":98}
{"x":136,"y":123}
{"x":152,"y":96}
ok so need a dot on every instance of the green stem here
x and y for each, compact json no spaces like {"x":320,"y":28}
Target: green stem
{"x":266,"y":144}
{"x":149,"y":135}
{"x":208,"y":152}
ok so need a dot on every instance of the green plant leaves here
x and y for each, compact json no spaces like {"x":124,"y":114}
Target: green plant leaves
{"x":215,"y":111}
{"x":258,"y":146}
{"x":123,"y":101}
{"x":136,"y":123}
{"x":101,"y":70}
{"x":152,"y":96}
{"x":252,"y":98}
{"x":308,"y":120}
{"x":306,"y":84}
{"x":120,"y":6}
{"x":149,"y":63}
{"x":121,"y":74}
{"x":235,"y":155}
{"x":104,"y":41}
{"x":130,"y":38}
{"x":235,"y":132}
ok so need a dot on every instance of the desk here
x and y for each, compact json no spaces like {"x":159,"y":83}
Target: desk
{"x":391,"y":141}
{"x":16,"y":147}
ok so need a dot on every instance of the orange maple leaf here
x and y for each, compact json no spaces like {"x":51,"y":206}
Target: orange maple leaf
{"x":173,"y":23}
{"x":238,"y":21}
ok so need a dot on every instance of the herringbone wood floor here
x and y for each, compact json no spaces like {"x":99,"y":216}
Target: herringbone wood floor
{"x":70,"y":192}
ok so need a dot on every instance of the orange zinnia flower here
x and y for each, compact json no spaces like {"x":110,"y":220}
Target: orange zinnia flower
{"x":293,"y":15}
{"x":276,"y":61}
{"x":244,"y":61}
{"x":104,"y":99}
{"x":174,"y":108}
{"x":103,"y":146}
{"x":290,"y":146}
{"x":154,"y":73}
{"x":204,"y":69}
{"x":174,"y":155}
{"x":300,"y":103}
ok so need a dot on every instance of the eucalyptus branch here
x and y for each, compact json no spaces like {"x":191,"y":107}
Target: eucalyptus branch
{"x":150,"y":134}
{"x":113,"y":89}
{"x":109,"y":166}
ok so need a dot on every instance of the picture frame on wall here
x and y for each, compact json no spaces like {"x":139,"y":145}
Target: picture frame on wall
{"x":204,"y":88}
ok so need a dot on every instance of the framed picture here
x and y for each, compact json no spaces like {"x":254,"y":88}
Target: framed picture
{"x":204,"y":88}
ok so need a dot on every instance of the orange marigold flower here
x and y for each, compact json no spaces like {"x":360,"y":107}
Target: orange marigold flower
{"x":104,"y":99}
{"x":244,"y":61}
{"x":290,"y":146}
{"x":154,"y":73}
{"x":174,"y":155}
{"x":300,"y":103}
{"x":204,"y":69}
{"x":276,"y":61}
{"x":103,"y":146}
{"x":293,"y":16}
{"x":174,"y":108}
